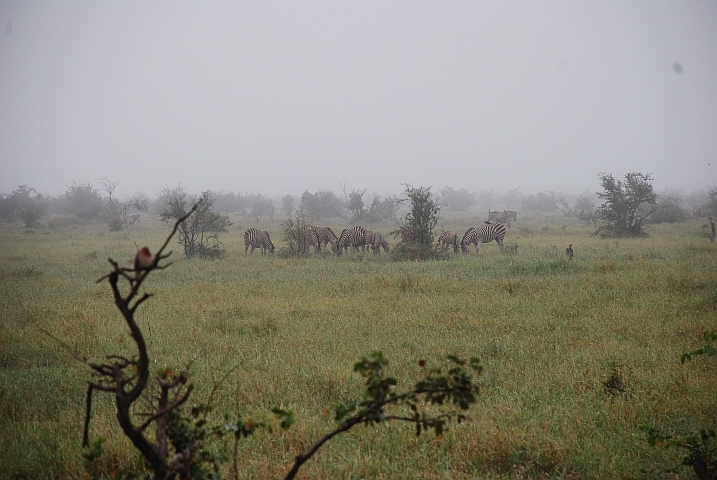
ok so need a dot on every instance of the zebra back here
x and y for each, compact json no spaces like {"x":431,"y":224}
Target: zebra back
{"x":353,"y":237}
{"x":483,"y":234}
{"x":326,"y":236}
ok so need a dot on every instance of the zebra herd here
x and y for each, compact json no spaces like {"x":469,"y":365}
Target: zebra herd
{"x":358,"y":237}
{"x":319,"y":237}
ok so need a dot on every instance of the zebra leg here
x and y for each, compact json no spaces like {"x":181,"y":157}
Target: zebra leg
{"x":500,"y":242}
{"x":478,"y":246}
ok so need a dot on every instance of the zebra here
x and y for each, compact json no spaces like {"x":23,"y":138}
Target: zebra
{"x":311,"y":237}
{"x":257,"y":239}
{"x":482,"y":234}
{"x":449,"y":237}
{"x":502,"y":217}
{"x":353,"y":237}
{"x":326,"y":236}
{"x":376,"y":242}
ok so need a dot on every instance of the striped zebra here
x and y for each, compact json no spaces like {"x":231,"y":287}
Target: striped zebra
{"x":311,"y":237}
{"x":449,"y":238}
{"x":256,"y":238}
{"x":482,"y":234}
{"x":326,"y":236}
{"x":503,"y":217}
{"x":376,"y":242}
{"x":353,"y":237}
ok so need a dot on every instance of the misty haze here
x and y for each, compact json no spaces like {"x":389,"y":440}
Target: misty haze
{"x":278,"y":98}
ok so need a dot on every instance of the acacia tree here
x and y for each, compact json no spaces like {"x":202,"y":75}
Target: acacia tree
{"x":116,"y":213}
{"x":199,"y":234}
{"x":711,"y":203}
{"x":356,"y":206}
{"x":24,"y":203}
{"x":383,"y":209}
{"x":417,"y":233}
{"x":457,"y":200}
{"x":626,"y":204}
{"x":84,"y":201}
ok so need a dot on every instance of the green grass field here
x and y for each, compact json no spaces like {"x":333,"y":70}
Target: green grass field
{"x":286,"y":332}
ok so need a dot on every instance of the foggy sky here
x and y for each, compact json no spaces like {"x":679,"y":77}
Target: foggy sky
{"x":278,"y":97}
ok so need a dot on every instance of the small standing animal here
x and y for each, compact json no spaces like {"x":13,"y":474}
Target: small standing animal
{"x":569,"y":252}
{"x":144,"y":259}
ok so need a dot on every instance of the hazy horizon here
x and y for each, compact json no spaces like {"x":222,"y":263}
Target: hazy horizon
{"x":282,"y":97}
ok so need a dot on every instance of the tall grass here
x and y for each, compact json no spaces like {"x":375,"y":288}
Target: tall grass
{"x":286,"y":332}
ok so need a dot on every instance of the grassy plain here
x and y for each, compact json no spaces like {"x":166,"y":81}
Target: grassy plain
{"x":286,"y":332}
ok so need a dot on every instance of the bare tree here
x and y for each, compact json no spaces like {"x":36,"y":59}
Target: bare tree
{"x":127,"y":378}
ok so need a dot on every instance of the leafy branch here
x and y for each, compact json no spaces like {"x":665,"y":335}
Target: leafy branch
{"x":436,"y":388}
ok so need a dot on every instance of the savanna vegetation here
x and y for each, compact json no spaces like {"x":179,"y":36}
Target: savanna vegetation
{"x":579,"y":357}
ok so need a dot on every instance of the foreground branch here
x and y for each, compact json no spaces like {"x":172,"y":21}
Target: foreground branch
{"x":129,"y":386}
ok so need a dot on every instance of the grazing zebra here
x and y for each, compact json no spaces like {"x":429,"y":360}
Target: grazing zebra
{"x":311,"y":237}
{"x":257,"y":239}
{"x":449,"y":237}
{"x":376,"y":242}
{"x":353,"y":237}
{"x":326,"y":236}
{"x":482,"y":234}
{"x":503,"y":217}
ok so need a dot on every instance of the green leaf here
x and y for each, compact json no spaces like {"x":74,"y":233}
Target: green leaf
{"x":287,"y":416}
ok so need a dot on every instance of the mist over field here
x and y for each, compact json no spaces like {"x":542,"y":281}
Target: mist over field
{"x":282,"y":97}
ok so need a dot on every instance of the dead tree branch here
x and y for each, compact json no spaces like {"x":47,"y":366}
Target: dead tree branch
{"x":128,"y":378}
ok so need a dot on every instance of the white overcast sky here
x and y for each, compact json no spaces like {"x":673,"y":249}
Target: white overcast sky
{"x":279,"y":97}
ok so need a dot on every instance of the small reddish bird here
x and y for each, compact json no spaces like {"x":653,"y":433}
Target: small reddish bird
{"x":143,"y":259}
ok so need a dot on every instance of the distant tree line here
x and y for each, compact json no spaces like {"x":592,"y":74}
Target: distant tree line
{"x":86,"y":203}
